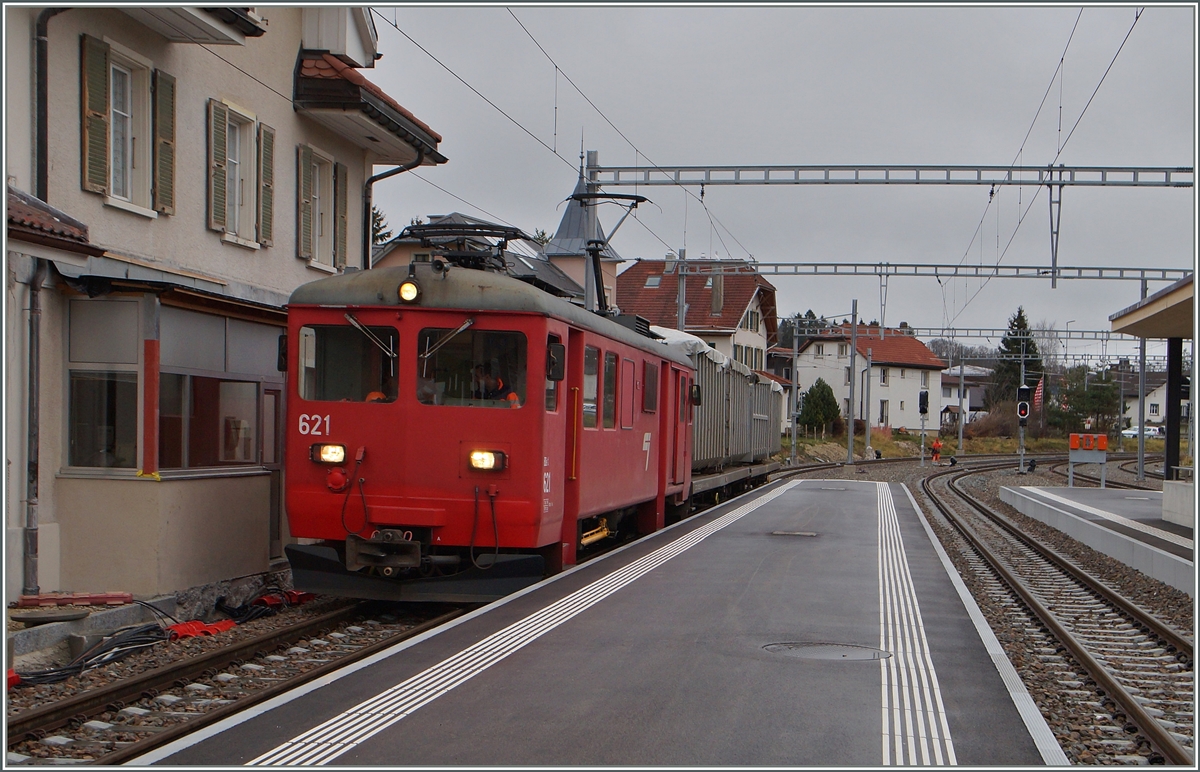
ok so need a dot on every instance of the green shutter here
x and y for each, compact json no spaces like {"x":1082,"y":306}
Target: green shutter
{"x":164,"y":142}
{"x":218,"y":127}
{"x":341,"y":186}
{"x":304,"y":212}
{"x":266,"y":185}
{"x":93,"y":93}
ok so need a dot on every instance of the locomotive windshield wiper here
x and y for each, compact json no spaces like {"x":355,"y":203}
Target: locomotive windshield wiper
{"x":446,"y":339}
{"x":385,"y":348}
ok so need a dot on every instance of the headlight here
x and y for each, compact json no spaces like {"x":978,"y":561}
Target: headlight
{"x":328,"y":454}
{"x":409,"y":291}
{"x":488,"y":460}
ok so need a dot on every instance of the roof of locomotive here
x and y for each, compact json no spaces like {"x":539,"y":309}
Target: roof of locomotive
{"x":468,"y":289}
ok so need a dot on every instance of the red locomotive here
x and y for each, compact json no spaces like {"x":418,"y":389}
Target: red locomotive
{"x":456,"y":434}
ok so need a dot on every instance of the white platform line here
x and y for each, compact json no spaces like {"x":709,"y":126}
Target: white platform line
{"x":343,"y":732}
{"x":918,"y":715}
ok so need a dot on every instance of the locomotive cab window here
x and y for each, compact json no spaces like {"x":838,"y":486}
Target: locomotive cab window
{"x":344,"y":363}
{"x":476,"y":368}
{"x":591,"y":367}
{"x":554,"y":352}
{"x":610,"y":390}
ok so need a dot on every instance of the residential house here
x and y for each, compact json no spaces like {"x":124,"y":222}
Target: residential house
{"x":971,"y":383}
{"x":173,"y":174}
{"x":901,"y":368}
{"x":732,"y":312}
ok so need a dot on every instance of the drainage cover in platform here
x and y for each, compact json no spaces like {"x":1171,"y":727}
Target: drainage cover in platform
{"x":840,"y":651}
{"x":793,"y":533}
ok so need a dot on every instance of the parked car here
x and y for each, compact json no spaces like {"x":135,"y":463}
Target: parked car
{"x":1148,"y":431}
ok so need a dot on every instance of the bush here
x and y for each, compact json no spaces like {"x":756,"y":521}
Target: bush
{"x":1001,"y":421}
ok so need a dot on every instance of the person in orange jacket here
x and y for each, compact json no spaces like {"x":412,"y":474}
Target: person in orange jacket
{"x":937,"y":449}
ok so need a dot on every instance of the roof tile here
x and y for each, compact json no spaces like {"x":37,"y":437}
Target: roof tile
{"x":659,"y":304}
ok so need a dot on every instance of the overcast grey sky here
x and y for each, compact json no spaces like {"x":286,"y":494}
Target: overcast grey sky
{"x":819,"y":85}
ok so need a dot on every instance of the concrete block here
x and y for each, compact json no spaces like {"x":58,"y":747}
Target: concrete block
{"x":1179,"y":503}
{"x":101,"y":621}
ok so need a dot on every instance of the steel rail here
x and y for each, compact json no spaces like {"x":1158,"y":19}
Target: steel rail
{"x":1176,"y":639}
{"x":1146,"y":724}
{"x":26,"y":725}
{"x":1057,"y":470}
{"x":160,"y":739}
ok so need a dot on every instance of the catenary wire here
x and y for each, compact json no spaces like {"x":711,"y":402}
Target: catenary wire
{"x":476,"y":91}
{"x":600,"y":112}
{"x":1021,"y":220}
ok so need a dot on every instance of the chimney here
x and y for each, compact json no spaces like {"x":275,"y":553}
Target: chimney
{"x":718,"y":293}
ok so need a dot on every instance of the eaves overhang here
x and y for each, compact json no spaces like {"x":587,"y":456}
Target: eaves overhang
{"x":340,"y":99}
{"x":1168,"y":313}
{"x":210,"y":26}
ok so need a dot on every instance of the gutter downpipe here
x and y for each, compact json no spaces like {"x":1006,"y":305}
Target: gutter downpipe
{"x":42,"y":186}
{"x":367,"y":203}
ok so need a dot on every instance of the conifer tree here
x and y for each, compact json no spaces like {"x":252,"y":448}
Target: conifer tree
{"x":1016,"y":346}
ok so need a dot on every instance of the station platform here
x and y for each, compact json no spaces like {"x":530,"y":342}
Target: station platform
{"x":808,"y":622}
{"x":1124,"y":524}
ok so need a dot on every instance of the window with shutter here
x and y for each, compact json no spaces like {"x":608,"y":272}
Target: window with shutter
{"x":119,"y":149}
{"x":317,"y":216}
{"x":341,"y":215}
{"x":218,"y":128}
{"x":266,"y":182}
{"x":304,"y":213}
{"x":94,"y":75}
{"x":164,"y":142}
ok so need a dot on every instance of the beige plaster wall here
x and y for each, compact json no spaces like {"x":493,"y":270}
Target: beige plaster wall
{"x":18,"y":96}
{"x":149,"y":537}
{"x":183,"y":239}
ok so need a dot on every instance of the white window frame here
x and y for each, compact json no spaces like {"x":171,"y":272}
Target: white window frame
{"x":843,"y":349}
{"x":883,"y":376}
{"x":819,"y":350}
{"x":138,"y":198}
{"x":925,"y":379}
{"x":323,"y":210}
{"x":241,"y":177}
{"x":1153,"y":408}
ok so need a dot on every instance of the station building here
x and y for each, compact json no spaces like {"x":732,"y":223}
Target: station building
{"x":173,"y":174}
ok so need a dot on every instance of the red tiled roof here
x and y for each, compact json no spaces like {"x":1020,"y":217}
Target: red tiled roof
{"x":30,"y":215}
{"x":323,"y":65}
{"x":894,"y":348}
{"x":773,"y":377}
{"x":660,"y":304}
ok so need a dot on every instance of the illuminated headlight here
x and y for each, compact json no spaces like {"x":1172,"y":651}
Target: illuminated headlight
{"x":328,"y":454}
{"x":487,"y":460}
{"x":409,"y":292}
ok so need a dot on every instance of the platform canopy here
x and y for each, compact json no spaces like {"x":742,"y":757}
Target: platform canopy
{"x":1167,"y":313}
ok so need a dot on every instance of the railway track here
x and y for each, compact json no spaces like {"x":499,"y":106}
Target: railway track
{"x":1124,"y":466}
{"x":132,"y":716}
{"x":1134,"y":671}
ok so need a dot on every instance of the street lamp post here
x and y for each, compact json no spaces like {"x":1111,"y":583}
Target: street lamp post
{"x":1067,"y":346}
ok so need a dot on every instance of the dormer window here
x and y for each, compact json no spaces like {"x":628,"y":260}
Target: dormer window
{"x":708,"y":283}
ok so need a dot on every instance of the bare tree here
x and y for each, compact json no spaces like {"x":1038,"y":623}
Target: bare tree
{"x":1049,"y":343}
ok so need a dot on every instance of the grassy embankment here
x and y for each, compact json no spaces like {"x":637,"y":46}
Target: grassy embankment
{"x":811,"y":448}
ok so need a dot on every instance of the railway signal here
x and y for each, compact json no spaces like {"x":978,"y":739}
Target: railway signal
{"x":1023,"y":405}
